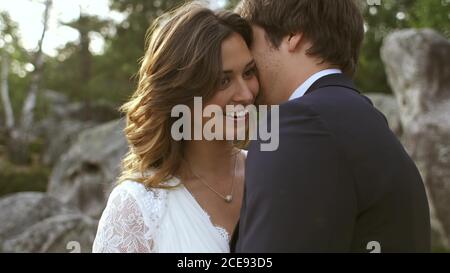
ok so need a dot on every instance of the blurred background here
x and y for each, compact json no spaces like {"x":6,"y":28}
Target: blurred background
{"x":67,"y":65}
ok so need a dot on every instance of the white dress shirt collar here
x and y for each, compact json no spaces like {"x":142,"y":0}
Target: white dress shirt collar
{"x":301,"y":90}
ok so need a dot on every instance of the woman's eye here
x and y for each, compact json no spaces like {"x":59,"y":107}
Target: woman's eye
{"x":250,"y":73}
{"x":224,"y":83}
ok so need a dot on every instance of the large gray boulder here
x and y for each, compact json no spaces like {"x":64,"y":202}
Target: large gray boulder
{"x":22,"y":210}
{"x":85,"y":175}
{"x":418,"y":69}
{"x":66,"y":120}
{"x":37,"y":222}
{"x":60,"y":136}
{"x":61,"y":233}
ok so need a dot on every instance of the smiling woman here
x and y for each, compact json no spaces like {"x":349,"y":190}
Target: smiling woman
{"x":182,"y":195}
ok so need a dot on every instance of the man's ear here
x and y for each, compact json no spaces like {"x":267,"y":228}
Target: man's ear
{"x":294,"y":41}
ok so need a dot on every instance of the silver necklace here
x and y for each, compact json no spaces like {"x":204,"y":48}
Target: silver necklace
{"x":227,"y":198}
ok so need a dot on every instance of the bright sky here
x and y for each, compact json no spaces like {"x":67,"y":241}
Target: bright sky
{"x":28,"y":14}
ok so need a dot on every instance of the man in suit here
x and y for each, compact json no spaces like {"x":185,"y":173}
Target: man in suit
{"x":340,"y":181}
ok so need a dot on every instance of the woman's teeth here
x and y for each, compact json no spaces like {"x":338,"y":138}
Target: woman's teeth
{"x":237,"y":115}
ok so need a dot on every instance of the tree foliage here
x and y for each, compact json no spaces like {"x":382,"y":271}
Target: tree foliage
{"x":11,"y":46}
{"x":109,"y":76}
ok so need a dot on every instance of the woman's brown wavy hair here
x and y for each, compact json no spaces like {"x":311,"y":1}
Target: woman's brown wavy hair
{"x":182,"y":60}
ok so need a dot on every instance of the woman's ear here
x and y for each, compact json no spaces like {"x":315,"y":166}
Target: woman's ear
{"x":294,"y":41}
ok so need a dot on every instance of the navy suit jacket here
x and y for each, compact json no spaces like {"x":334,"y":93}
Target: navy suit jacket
{"x":340,"y":181}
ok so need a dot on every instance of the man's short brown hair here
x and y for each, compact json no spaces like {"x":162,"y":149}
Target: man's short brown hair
{"x":334,"y":27}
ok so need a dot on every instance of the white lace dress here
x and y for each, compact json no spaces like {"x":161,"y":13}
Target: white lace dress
{"x":137,"y":219}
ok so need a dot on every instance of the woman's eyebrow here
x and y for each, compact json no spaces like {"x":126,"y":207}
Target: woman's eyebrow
{"x":251,"y":63}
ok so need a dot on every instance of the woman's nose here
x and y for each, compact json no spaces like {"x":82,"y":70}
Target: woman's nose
{"x":244,"y":94}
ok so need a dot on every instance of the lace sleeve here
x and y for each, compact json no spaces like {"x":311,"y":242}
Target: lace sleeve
{"x":122,"y":228}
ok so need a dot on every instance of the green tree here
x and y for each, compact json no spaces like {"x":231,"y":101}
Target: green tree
{"x":18,"y":133}
{"x":62,"y":72}
{"x":85,"y":25}
{"x":109,"y":76}
{"x":74,"y":68}
{"x":431,"y":14}
{"x":16,"y":58}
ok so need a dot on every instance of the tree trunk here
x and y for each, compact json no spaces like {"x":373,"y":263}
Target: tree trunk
{"x":19,"y":137}
{"x":9,"y":116}
{"x":30,"y":101}
{"x":85,"y":56}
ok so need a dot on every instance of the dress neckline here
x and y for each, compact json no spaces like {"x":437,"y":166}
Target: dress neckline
{"x":221,"y":230}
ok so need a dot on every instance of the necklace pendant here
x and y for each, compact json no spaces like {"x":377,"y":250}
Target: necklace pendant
{"x":228,"y":198}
